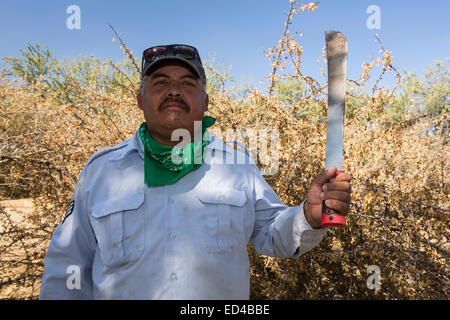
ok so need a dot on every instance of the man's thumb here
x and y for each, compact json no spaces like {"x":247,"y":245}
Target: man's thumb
{"x":331,"y":173}
{"x":325,"y":176}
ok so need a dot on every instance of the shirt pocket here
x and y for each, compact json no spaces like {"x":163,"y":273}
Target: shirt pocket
{"x":220,"y":217}
{"x":118,"y":224}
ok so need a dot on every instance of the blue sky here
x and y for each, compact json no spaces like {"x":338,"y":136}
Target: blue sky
{"x":236,"y":31}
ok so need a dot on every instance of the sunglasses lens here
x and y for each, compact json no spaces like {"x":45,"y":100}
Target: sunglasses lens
{"x":185,"y":52}
{"x":153,"y":53}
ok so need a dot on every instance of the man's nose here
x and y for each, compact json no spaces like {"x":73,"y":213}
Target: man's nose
{"x":174,"y":91}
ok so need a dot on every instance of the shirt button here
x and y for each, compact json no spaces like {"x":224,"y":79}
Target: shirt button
{"x":172,"y":236}
{"x":171,"y":200}
{"x":173,"y":276}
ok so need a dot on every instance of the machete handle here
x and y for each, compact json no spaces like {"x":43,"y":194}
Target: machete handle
{"x":330,"y":217}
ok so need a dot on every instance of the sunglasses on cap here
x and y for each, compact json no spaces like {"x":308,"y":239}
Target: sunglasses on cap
{"x":178,"y":51}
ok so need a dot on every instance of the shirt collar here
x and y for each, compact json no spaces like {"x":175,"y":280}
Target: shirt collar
{"x":138,"y":144}
{"x":214,"y":143}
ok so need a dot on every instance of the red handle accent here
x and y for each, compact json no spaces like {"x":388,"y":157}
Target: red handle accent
{"x":330,"y":217}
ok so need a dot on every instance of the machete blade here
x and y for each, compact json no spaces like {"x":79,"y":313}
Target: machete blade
{"x":336,"y":48}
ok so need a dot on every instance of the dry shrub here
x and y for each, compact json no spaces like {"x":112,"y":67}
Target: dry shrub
{"x":399,"y":215}
{"x":43,"y":149}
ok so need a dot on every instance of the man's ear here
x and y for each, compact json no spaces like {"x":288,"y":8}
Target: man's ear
{"x":205,"y":108}
{"x":140,"y":101}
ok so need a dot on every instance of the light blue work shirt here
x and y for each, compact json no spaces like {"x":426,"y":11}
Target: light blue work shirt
{"x":121,"y":239}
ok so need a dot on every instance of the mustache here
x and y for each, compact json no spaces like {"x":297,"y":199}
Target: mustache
{"x":177,"y":100}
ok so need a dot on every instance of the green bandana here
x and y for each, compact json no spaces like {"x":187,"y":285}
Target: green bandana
{"x":164,"y":164}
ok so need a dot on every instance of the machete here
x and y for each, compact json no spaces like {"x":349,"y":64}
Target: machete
{"x":336,"y":48}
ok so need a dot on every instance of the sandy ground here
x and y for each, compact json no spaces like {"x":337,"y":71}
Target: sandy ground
{"x":17,"y":209}
{"x":16,"y":214}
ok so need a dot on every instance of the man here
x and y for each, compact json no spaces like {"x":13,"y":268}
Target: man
{"x":153,"y":218}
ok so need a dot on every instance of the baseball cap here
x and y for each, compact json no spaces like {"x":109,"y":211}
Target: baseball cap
{"x":153,"y":56}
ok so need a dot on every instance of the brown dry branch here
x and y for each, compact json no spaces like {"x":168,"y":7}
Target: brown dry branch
{"x":387,"y":66}
{"x":126,"y":50}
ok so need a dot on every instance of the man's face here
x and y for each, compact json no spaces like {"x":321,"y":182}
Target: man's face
{"x":173,"y":98}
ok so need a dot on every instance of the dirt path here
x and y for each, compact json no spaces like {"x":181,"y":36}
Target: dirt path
{"x":17,"y":210}
{"x":18,"y":249}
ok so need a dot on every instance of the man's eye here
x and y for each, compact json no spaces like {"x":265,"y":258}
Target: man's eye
{"x":189,"y":83}
{"x":160,"y":82}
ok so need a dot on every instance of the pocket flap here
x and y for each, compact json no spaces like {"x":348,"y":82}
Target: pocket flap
{"x":128,"y":202}
{"x":230,"y":197}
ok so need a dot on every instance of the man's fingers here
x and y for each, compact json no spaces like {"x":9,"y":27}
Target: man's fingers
{"x":336,"y":195}
{"x":343,"y":176}
{"x":324,"y":177}
{"x":339,"y":206}
{"x":337,"y":186}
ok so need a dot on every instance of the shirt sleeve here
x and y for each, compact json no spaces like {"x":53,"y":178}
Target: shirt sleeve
{"x":69,"y":258}
{"x":279,"y":230}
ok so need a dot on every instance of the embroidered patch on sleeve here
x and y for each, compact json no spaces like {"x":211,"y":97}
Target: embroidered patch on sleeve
{"x":69,"y":210}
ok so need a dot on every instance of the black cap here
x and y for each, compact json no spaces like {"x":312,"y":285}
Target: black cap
{"x":153,"y":56}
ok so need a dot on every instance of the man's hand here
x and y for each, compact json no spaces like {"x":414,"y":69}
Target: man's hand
{"x":332,"y":187}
